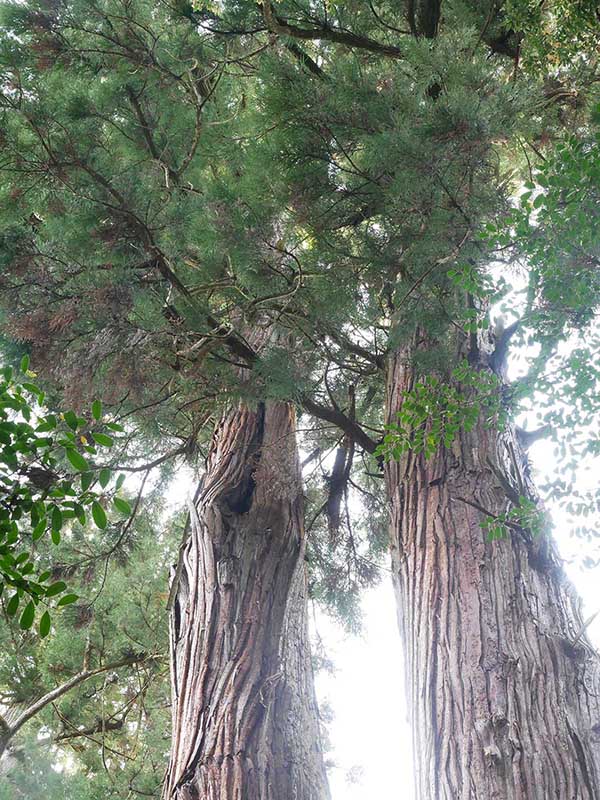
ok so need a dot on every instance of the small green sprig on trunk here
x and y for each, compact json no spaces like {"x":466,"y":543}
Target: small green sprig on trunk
{"x":435,"y":411}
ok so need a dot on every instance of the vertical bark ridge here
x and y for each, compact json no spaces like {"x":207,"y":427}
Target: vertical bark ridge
{"x":245,"y":720}
{"x":503,"y":700}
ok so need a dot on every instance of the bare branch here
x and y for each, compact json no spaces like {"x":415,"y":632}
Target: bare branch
{"x":338,"y":418}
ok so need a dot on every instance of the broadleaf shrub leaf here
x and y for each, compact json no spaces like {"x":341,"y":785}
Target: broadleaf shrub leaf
{"x":122,"y":505}
{"x":45,"y":622}
{"x":27,"y":616}
{"x":99,"y":515}
{"x":77,"y":460}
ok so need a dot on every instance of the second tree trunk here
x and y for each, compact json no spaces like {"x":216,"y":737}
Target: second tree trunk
{"x":501,"y":682}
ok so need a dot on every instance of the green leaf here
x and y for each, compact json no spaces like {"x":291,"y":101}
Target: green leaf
{"x":57,"y":519}
{"x":97,"y":409}
{"x":68,"y":599}
{"x":45,"y":622}
{"x":77,"y":460}
{"x":56,"y":588}
{"x":99,"y":515}
{"x":122,"y":505}
{"x":39,"y":529}
{"x":120,"y":481}
{"x":71,"y":420}
{"x":25,"y":363}
{"x":80,"y":513}
{"x":12,"y":605}
{"x":104,"y":477}
{"x":87,"y":479}
{"x":49,"y":424}
{"x":102,"y":439}
{"x":27,"y":616}
{"x":55,"y":536}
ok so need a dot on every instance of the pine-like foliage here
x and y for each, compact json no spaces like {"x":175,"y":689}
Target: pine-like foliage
{"x":175,"y":177}
{"x":109,"y":733}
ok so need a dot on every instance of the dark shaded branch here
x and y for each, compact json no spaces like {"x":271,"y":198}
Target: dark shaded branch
{"x":282,"y":27}
{"x":424,"y":17}
{"x":147,"y":131}
{"x":346,"y":344}
{"x":506,"y":43}
{"x":340,"y":420}
{"x":305,"y":60}
{"x":233,"y":341}
{"x":178,"y":451}
{"x":382,"y":22}
{"x":340,"y":475}
{"x":498,"y":357}
{"x":101,"y":726}
{"x":527,"y":438}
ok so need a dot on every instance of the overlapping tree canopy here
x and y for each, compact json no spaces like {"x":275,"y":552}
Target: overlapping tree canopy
{"x":175,"y":177}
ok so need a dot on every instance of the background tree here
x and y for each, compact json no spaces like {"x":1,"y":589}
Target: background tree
{"x":244,"y":710}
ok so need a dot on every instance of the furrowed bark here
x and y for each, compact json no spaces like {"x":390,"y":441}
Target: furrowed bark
{"x":245,"y":720}
{"x":501,"y":683}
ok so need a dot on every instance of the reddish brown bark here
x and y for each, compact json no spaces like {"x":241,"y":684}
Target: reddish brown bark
{"x":245,"y":722}
{"x":502,"y":686}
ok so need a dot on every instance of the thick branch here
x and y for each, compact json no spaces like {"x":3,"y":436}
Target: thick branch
{"x":424,"y":17}
{"x":305,"y":60}
{"x":144,"y":125}
{"x":178,"y":451}
{"x":282,"y":27}
{"x":235,"y":343}
{"x":527,"y":438}
{"x":101,"y":726}
{"x":59,"y":691}
{"x":338,"y":418}
{"x":347,"y":344}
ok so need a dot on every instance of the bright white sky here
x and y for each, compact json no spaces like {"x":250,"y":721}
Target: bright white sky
{"x":369,"y":733}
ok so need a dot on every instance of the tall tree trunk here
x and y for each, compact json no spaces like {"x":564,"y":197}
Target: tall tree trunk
{"x":501,"y":681}
{"x":245,"y":721}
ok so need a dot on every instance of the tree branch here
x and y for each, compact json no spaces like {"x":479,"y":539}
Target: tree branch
{"x":178,"y":451}
{"x":527,"y":438}
{"x":338,"y":418}
{"x":282,"y":27}
{"x":498,"y":357}
{"x":59,"y":691}
{"x":305,"y":60}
